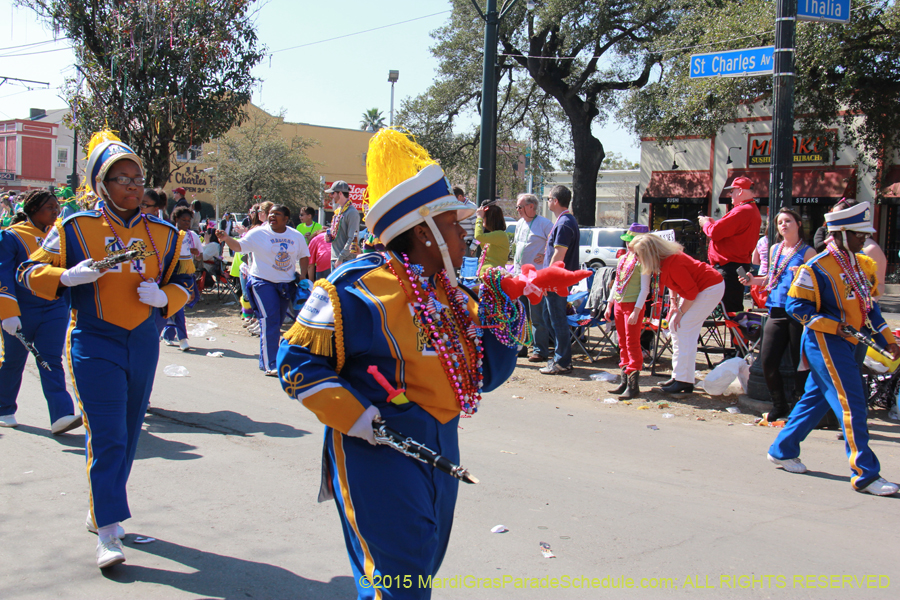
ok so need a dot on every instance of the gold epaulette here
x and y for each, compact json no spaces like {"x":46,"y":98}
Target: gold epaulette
{"x":319,"y":341}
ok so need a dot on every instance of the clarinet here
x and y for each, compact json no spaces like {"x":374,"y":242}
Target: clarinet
{"x":863,"y":338}
{"x":30,"y":347}
{"x":110,"y":261}
{"x":405,"y":445}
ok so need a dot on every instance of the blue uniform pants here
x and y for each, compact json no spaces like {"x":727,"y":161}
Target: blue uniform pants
{"x":396,"y":512}
{"x":113,"y":371}
{"x":175,"y":328}
{"x":270,"y":302}
{"x":46,"y":329}
{"x":834,"y":383}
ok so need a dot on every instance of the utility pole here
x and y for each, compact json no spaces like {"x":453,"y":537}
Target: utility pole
{"x":487,"y":151}
{"x":781,"y":182}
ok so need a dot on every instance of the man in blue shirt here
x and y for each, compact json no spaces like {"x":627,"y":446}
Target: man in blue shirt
{"x":562,"y":245}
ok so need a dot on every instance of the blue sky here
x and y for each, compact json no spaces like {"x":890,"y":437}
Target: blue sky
{"x":327,"y":83}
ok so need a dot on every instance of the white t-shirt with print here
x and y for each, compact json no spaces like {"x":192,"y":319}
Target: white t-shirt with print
{"x":275,"y":255}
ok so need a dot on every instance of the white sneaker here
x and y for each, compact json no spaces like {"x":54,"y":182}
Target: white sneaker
{"x":881,"y":487}
{"x":170,"y":342}
{"x":64,"y":424}
{"x":184,"y":345}
{"x":791,"y":465}
{"x":89,"y":525}
{"x":110,"y":553}
{"x":271,"y":373}
{"x":8,"y":421}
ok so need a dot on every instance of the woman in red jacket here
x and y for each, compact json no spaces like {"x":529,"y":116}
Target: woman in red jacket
{"x":695,"y":290}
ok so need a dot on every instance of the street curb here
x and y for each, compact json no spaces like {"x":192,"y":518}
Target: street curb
{"x":754,"y":406}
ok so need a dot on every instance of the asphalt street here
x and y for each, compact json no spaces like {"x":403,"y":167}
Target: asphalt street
{"x":228,"y":470}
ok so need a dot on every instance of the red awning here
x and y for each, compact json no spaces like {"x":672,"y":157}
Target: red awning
{"x":679,"y":187}
{"x":819,"y":185}
{"x":893,"y":183}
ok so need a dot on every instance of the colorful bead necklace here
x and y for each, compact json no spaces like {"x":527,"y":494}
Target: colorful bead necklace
{"x":623,"y":272}
{"x":336,"y":220}
{"x":855,"y":277}
{"x":497,"y":311}
{"x":451,"y":330}
{"x":134,"y":263}
{"x":775,"y":271}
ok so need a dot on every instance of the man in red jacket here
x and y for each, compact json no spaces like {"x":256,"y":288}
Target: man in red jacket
{"x":732,"y":240}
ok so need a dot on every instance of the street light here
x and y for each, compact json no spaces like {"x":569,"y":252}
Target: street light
{"x":393,"y":76}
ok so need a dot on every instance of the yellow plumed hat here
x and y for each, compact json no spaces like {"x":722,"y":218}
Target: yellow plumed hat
{"x":405,"y":185}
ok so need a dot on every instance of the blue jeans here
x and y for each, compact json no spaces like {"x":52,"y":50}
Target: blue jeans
{"x":555,"y":317}
{"x":539,"y":328}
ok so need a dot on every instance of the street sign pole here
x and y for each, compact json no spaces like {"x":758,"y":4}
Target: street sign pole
{"x":781,"y":174}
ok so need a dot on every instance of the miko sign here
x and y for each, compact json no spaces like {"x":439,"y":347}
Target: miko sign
{"x":734,"y":63}
{"x":834,"y":11}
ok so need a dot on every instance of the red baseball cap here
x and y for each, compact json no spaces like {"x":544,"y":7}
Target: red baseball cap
{"x":740,"y":182}
{"x":179,"y":190}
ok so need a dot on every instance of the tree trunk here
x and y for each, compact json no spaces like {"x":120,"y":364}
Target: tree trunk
{"x":589,"y":155}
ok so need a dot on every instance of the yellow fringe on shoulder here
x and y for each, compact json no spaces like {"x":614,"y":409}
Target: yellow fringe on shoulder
{"x":175,"y":260}
{"x":57,"y":260}
{"x":319,"y":341}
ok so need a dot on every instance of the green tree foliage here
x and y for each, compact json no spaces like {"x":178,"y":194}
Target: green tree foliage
{"x":164,"y":74}
{"x":372,"y":118}
{"x":563,"y":68}
{"x":616,"y":162}
{"x":845,"y":73}
{"x":256,"y":160}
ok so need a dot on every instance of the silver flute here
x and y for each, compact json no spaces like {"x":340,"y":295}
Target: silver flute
{"x":406,"y":445}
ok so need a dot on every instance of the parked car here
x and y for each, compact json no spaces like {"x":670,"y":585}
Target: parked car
{"x":599,"y":246}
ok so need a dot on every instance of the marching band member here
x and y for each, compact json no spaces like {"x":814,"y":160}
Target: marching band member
{"x":112,"y":344}
{"x":402,"y":313}
{"x":835,"y":289}
{"x":42,"y":322}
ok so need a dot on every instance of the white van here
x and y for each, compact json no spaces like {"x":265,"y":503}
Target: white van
{"x":599,"y":246}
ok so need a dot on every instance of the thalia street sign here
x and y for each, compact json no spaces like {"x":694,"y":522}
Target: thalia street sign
{"x":733,"y":63}
{"x":833,"y":11}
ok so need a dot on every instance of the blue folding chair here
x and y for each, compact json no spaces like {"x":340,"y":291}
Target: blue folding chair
{"x":468,"y":273}
{"x":583,"y":320}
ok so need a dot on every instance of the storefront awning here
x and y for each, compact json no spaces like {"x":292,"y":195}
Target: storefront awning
{"x":679,"y":187}
{"x":811,"y":185}
{"x":891,"y":193}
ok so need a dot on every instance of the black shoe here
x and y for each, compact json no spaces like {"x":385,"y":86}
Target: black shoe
{"x":622,"y":386}
{"x":679,"y":387}
{"x":632,"y":390}
{"x":667,"y":382}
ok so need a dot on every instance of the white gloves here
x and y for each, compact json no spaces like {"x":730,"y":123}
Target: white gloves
{"x":150,"y":293}
{"x":363,"y":426}
{"x":12,"y":325}
{"x":80,"y":274}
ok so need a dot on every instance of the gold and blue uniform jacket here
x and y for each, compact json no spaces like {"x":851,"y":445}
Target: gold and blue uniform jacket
{"x":821,"y":296}
{"x":113,"y":298}
{"x":16,"y":244}
{"x":359,"y":317}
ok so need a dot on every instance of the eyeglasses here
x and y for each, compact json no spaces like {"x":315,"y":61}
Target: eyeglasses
{"x":522,"y":207}
{"x":122,"y":180}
